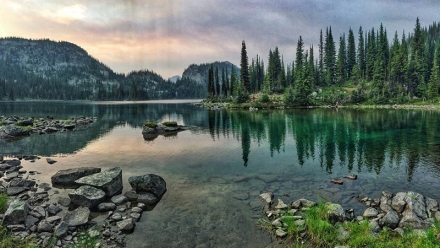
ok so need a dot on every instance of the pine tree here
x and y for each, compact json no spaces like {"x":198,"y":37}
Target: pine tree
{"x":341,"y":63}
{"x":321,"y":60}
{"x":244,"y":76}
{"x":299,"y":60}
{"x":330,"y":58}
{"x":395,"y":70}
{"x":217,"y":83}
{"x":351,"y":53}
{"x":234,"y":82}
{"x":434,"y":82}
{"x":361,"y":53}
{"x":224,"y":84}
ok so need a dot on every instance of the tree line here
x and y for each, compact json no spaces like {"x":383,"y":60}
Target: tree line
{"x":368,"y":69}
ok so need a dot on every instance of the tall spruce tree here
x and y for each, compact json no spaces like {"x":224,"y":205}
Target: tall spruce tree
{"x":244,"y":76}
{"x":351,"y":53}
{"x":342,"y":60}
{"x":434,"y":82}
{"x":299,"y":60}
{"x":330,"y":58}
{"x":321,"y":60}
{"x":361,"y":53}
{"x":217,"y":83}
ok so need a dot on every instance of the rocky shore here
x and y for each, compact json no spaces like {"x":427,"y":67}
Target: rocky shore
{"x":395,"y":212}
{"x":39,"y":212}
{"x":151,"y":131}
{"x":15,"y":127}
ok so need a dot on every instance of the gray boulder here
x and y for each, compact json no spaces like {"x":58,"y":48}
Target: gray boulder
{"x":44,"y":226}
{"x":106,"y":206}
{"x":415,"y":202}
{"x":335,"y":212}
{"x":148,"y":198}
{"x":77,"y":217}
{"x":398,"y":203}
{"x":69,"y":176}
{"x":12,"y":131}
{"x":61,"y":229}
{"x":16,"y":212}
{"x":411,"y":220}
{"x":87,"y":196}
{"x":110,"y":181}
{"x":391,"y":219}
{"x":149,"y":183}
{"x":126,"y":225}
{"x":370,"y":213}
{"x":119,"y":199}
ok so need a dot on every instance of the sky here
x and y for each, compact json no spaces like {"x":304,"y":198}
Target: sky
{"x":166,"y":36}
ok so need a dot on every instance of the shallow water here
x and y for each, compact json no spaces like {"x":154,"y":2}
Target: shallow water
{"x":215,"y":173}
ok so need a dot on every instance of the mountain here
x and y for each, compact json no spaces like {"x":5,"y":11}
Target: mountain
{"x":199,"y":73}
{"x":47,"y":69}
{"x":174,"y":79}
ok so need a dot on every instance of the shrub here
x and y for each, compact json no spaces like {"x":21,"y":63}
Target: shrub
{"x":150,"y":124}
{"x":264,"y":98}
{"x":170,"y":124}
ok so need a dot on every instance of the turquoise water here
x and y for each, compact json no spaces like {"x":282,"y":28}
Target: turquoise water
{"x":215,"y":172}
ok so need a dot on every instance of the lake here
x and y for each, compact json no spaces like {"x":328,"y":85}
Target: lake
{"x":215,"y":172}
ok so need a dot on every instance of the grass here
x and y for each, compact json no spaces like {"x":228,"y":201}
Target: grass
{"x":150,"y":124}
{"x":318,"y":231}
{"x":86,"y":241}
{"x":170,"y":123}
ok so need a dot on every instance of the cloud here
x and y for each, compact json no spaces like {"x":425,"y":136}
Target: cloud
{"x":168,"y":35}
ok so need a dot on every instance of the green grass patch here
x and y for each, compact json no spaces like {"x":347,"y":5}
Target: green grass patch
{"x":150,"y":124}
{"x":170,"y":124}
{"x":3,"y":202}
{"x":85,"y":240}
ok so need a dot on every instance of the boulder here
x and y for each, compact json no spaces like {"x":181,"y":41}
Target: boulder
{"x":415,"y":202}
{"x":16,"y":212}
{"x":12,"y":131}
{"x":411,"y":220}
{"x":119,"y":199}
{"x":61,"y":229}
{"x":398,"y":203}
{"x":281,"y":205}
{"x":391,"y":219}
{"x":335,"y":212}
{"x":370,"y":213}
{"x":20,"y":182}
{"x":44,"y":226}
{"x":77,"y":217}
{"x":50,"y":161}
{"x":106,"y":206}
{"x":11,"y":191}
{"x":110,"y":181}
{"x":87,"y":196}
{"x":149,"y":183}
{"x":25,"y":122}
{"x":69,"y":176}
{"x":148,"y":198}
{"x":126,"y":225}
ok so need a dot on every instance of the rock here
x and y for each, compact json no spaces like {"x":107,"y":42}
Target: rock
{"x":267,"y":197}
{"x":135,"y":216}
{"x":280,"y":233}
{"x":119,"y":199}
{"x":431,"y":206}
{"x":337,"y":181}
{"x":53,"y":209}
{"x":109,"y":181}
{"x":126,"y":225}
{"x":12,"y":174}
{"x":335,"y":212}
{"x":351,"y":177}
{"x":415,"y":203}
{"x":61,"y":229}
{"x":131,"y":195}
{"x":398,"y":203}
{"x":50,"y":161}
{"x":69,"y":176}
{"x":370,"y":213}
{"x":11,"y":191}
{"x":281,"y":205}
{"x":53,"y":219}
{"x":12,"y":131}
{"x":374,"y":226}
{"x":307,"y":203}
{"x":25,"y":122}
{"x":44,"y":226}
{"x":64,"y":201}
{"x":437,"y":215}
{"x":149,"y":183}
{"x":87,"y":196}
{"x":391,"y":219}
{"x":106,"y":206}
{"x":19,"y":182}
{"x":16,"y":212}
{"x":30,"y":221}
{"x":277,"y":223}
{"x":148,"y":198}
{"x":116,"y":217}
{"x":38,"y":212}
{"x":137,"y":210}
{"x":16,"y":228}
{"x":77,"y":217}
{"x":299,"y":222}
{"x":411,"y":220}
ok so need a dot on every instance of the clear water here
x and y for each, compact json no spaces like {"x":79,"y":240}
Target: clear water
{"x":215,"y":173}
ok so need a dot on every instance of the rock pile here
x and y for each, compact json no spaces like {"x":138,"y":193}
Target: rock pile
{"x":35,"y":212}
{"x":151,"y":133}
{"x":392,"y":211}
{"x":16,"y":127}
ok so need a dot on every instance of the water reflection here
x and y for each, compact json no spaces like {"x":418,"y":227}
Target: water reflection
{"x":356,"y":139}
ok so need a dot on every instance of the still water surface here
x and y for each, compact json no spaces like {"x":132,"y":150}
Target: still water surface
{"x":215,"y":173}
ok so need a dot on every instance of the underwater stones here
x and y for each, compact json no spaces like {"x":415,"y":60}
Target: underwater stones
{"x":337,"y":181}
{"x":110,"y":181}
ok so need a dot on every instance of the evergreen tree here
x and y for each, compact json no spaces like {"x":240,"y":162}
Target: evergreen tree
{"x":361,"y":53}
{"x":395,"y":70}
{"x":330,"y":58}
{"x":415,"y":66}
{"x":224,"y":84}
{"x":217,"y":83}
{"x":342,"y":60}
{"x":244,"y":76}
{"x":370,"y":55}
{"x":351,"y":53}
{"x":299,"y":60}
{"x":321,"y":60}
{"x":434,"y":82}
{"x":234,"y":82}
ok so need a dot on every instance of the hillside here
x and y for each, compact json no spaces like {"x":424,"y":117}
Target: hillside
{"x":199,"y":73}
{"x":45,"y":69}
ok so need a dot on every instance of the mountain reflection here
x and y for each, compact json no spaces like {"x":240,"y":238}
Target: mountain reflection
{"x":355,"y":139}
